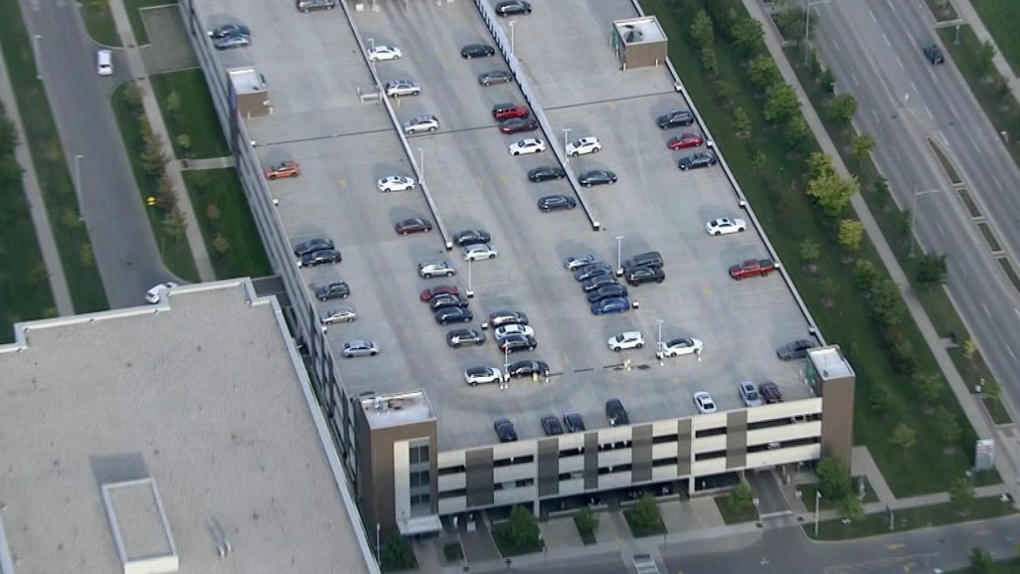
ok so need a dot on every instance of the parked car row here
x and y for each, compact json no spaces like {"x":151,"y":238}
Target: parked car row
{"x":572,"y":422}
{"x":598,"y":281}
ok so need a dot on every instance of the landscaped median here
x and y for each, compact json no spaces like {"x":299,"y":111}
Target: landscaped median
{"x":189,"y":114}
{"x":922,"y":443}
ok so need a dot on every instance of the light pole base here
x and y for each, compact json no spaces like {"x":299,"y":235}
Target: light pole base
{"x":619,"y":272}
{"x":470,"y":293}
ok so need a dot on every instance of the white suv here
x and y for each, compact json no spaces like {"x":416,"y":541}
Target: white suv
{"x":481,"y":375}
{"x":430,"y":269}
{"x":627,"y":340}
{"x":583,"y":146}
{"x":504,"y":331}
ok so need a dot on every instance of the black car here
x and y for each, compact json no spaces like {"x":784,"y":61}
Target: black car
{"x":443,"y":301}
{"x":795,"y":349}
{"x":527,"y":368}
{"x":517,"y":342}
{"x":616,"y":414}
{"x":934,"y":54}
{"x":551,"y":425}
{"x":611,"y":290}
{"x":597,"y":177}
{"x":506,"y":317}
{"x":505,"y":430}
{"x":477,"y":51}
{"x":517,"y":125}
{"x":471,"y":237}
{"x":306,"y":247}
{"x":460,"y":337}
{"x":495,"y":77}
{"x":675,"y":118}
{"x":546,"y":173}
{"x":512,"y":7}
{"x":229,"y":30}
{"x":589,"y":271}
{"x":639,"y":275}
{"x":320,"y":257}
{"x":697,"y":160}
{"x":593,"y":283}
{"x":448,"y":315}
{"x":334,"y":290}
{"x":556,"y":202}
{"x":573,"y":422}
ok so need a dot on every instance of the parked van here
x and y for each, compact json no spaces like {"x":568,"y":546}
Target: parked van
{"x":104,"y":63}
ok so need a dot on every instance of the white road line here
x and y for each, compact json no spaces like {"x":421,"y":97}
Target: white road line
{"x":874,"y":113}
{"x":973,"y":144}
{"x":997,"y":184}
{"x":887,"y":42}
{"x":891,"y":5}
{"x":945,"y":140}
{"x":985,"y":307}
{"x":854,"y":78}
{"x":940,"y":229}
{"x":838,"y":48}
{"x":1011,"y":353}
{"x":912,"y":85}
{"x":873,"y":19}
{"x":927,"y":109}
{"x":900,"y":62}
{"x":1017,"y":311}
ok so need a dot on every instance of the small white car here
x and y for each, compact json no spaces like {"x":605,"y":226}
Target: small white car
{"x":396,"y":183}
{"x":725,"y":226}
{"x":480,"y":251}
{"x":504,"y":331}
{"x":402,"y":88}
{"x":360,"y":348}
{"x":481,"y":375}
{"x":382,"y":53}
{"x":526,"y":146}
{"x":155,"y":295}
{"x":583,"y":146}
{"x":681,"y":346}
{"x":704,"y":402}
{"x":104,"y":62}
{"x":749,"y":394}
{"x":626,"y":340}
{"x":426,"y":123}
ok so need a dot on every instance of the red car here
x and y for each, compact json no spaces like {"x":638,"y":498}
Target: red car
{"x":515,"y":125}
{"x":685,"y":141}
{"x":506,"y":111}
{"x":413,"y":225}
{"x":431,"y":292}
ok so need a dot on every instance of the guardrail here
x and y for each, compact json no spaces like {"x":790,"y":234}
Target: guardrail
{"x":678,"y":84}
{"x":489,"y":17}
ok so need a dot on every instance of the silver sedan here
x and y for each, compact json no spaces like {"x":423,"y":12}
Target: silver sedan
{"x":360,"y":348}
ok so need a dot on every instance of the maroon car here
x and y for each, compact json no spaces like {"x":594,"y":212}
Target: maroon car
{"x":685,"y":141}
{"x":769,"y":392}
{"x":431,"y":292}
{"x":516,"y":125}
{"x":413,"y":225}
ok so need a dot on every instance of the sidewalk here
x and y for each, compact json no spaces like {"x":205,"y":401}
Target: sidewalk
{"x":155,"y":116}
{"x":967,"y":12}
{"x":976,"y":415}
{"x":36,"y":205}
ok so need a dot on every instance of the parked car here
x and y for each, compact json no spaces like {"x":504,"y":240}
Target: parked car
{"x":507,"y":317}
{"x":495,"y":77}
{"x":934,"y":54}
{"x":360,"y":348}
{"x":749,"y":394}
{"x":448,"y":315}
{"x":518,"y":125}
{"x":795,"y":349}
{"x":512,"y":8}
{"x":573,"y":422}
{"x":509,"y":110}
{"x":679,"y":347}
{"x":556,"y":202}
{"x":527,"y":368}
{"x":551,"y":425}
{"x":646,"y":259}
{"x":626,"y":340}
{"x":638,"y":275}
{"x":704,"y":402}
{"x":380,"y":53}
{"x":546,"y":173}
{"x":104,"y":62}
{"x":675,"y":118}
{"x":396,"y":183}
{"x":593,"y":283}
{"x":527,"y":146}
{"x":505,"y":430}
{"x":684,"y":141}
{"x":610,"y":305}
{"x":482,"y":375}
{"x":430,"y":269}
{"x":471,"y":237}
{"x":287,"y":168}
{"x":697,"y":161}
{"x":229,"y":30}
{"x":504,"y":331}
{"x":725,"y":226}
{"x":230,"y":42}
{"x":607,"y":291}
{"x":412,"y":225}
{"x":444,"y":301}
{"x":395,"y":88}
{"x":320,"y":257}
{"x":306,"y":247}
{"x":752,"y":268}
{"x":155,"y":295}
{"x":477,"y":51}
{"x":597,"y":177}
{"x":310,"y":5}
{"x":333,"y":290}
{"x":616,"y":414}
{"x":480,"y":251}
{"x":425,"y":123}
{"x":341,"y":314}
{"x":579,"y":260}
{"x":459,"y":337}
{"x":584,"y":146}
{"x":513,"y":343}
{"x":431,"y":292}
{"x":770,"y":393}
{"x":592,"y":270}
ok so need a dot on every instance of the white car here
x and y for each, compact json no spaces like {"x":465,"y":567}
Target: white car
{"x":527,"y":145}
{"x":427,"y":123}
{"x":681,"y":346}
{"x":505,"y":331}
{"x":382,"y":53}
{"x":480,"y":251}
{"x":396,"y":183}
{"x":704,"y":402}
{"x":104,"y":63}
{"x":481,"y":375}
{"x":402,"y":88}
{"x":626,"y":340}
{"x":579,"y":260}
{"x":155,"y":294}
{"x":725,"y":226}
{"x":583,"y":146}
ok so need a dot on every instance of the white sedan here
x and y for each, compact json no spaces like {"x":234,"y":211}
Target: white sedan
{"x":583,"y":146}
{"x":504,"y":331}
{"x":426,"y":123}
{"x":626,"y":340}
{"x":480,"y":251}
{"x":725,"y":226}
{"x":681,"y":346}
{"x":155,"y":294}
{"x":381,"y":53}
{"x":704,"y":402}
{"x":527,"y":145}
{"x":396,"y":183}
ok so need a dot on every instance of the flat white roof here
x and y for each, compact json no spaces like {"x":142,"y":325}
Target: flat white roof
{"x":640,"y":30}
{"x":397,"y":409}
{"x":247,"y":80}
{"x":206,"y":396}
{"x":830,"y":363}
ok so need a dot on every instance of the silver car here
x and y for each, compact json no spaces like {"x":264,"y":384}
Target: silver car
{"x":426,"y":123}
{"x":495,"y":77}
{"x":360,"y":348}
{"x":402,"y":88}
{"x":228,"y":42}
{"x":430,"y":269}
{"x":580,"y":260}
{"x":341,"y":314}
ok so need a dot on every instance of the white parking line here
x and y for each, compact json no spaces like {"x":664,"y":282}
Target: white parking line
{"x":872,"y":14}
{"x":1011,"y":353}
{"x":887,"y":42}
{"x":927,"y":109}
{"x":997,"y":184}
{"x":912,"y":85}
{"x":900,"y":62}
{"x":985,"y":307}
{"x":854,"y":78}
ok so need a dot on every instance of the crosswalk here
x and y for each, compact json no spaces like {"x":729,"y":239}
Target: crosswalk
{"x":644,"y":564}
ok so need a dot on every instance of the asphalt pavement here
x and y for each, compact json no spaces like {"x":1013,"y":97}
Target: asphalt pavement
{"x":874,"y":49}
{"x":122,"y":241}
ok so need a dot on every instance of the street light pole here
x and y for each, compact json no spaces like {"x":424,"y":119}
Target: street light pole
{"x":371,"y":44}
{"x":421,"y":164}
{"x":38,"y":56}
{"x":78,"y":186}
{"x":913,"y":216}
{"x":619,"y":255}
{"x":818,"y":498}
{"x":470,"y":291}
{"x":511,"y":24}
{"x":659,"y":321}
{"x":807,"y":24}
{"x":566,"y":136}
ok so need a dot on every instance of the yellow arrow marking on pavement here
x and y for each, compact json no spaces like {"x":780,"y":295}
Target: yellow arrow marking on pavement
{"x":708,"y":291}
{"x":895,"y":547}
{"x":908,"y":567}
{"x":342,"y":183}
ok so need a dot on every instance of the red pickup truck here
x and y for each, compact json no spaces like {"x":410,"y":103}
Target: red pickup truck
{"x":752,"y":268}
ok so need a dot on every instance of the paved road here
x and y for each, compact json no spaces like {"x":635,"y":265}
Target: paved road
{"x":873,"y":46}
{"x":123,"y":243}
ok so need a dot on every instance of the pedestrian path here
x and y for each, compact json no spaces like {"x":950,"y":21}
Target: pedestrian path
{"x":173,"y":168}
{"x":37,"y":207}
{"x":966,"y":10}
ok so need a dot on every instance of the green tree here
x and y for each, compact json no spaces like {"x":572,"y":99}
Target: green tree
{"x":828,"y":288}
{"x":173,"y":102}
{"x":701,"y":30}
{"x":947,"y":427}
{"x":708,"y":61}
{"x":587,"y":522}
{"x":861,"y":146}
{"x":183,"y":142}
{"x":212,"y":212}
{"x":886,"y":303}
{"x":852,"y":508}
{"x":834,"y":480}
{"x":851,"y":233}
{"x":930,"y":269}
{"x":798,"y":134}
{"x":725,"y":91}
{"x":832,"y":192}
{"x":645,"y":514}
{"x":153,"y":159}
{"x":985,"y":56}
{"x":880,"y":399}
{"x":991,"y":388}
{"x":220,"y":244}
{"x":522,"y":530}
{"x":961,"y":494}
{"x":780,"y":103}
{"x":790,"y":22}
{"x":904,"y":437}
{"x":929,"y":387}
{"x":741,"y":499}
{"x":827,"y":80}
{"x":763,"y":72}
{"x":841,"y":109}
{"x":820,"y":163}
{"x":969,"y":348}
{"x":175,"y":225}
{"x":810,"y":251}
{"x":747,"y":34}
{"x":396,"y":554}
{"x":981,"y":562}
{"x":132,"y":96}
{"x":759,"y":160}
{"x":741,"y":122}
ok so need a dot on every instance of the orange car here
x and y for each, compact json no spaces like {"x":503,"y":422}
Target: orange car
{"x":283,"y":169}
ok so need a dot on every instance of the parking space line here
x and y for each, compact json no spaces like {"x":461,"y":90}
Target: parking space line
{"x":324,"y":137}
{"x":609,"y":101}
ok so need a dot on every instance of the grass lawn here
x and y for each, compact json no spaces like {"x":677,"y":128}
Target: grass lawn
{"x":733,"y":515}
{"x":99,"y":23}
{"x":945,"y":14}
{"x":135,"y":15}
{"x":807,"y":494}
{"x":909,"y":519}
{"x":641,"y":530}
{"x":1010,"y":566}
{"x":175,"y":251}
{"x":997,"y":411}
{"x":587,"y":537}
{"x":196,"y":117}
{"x":776,"y":192}
{"x":230,"y":219}
{"x":508,"y":548}
{"x":76,"y":256}
{"x":1001,"y":17}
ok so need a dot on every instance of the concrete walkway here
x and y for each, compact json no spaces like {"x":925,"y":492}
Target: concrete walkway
{"x":37,"y":207}
{"x":861,"y":464}
{"x":967,"y":12}
{"x":173,"y":168}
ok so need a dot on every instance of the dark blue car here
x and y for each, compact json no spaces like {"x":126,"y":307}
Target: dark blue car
{"x":610,"y":305}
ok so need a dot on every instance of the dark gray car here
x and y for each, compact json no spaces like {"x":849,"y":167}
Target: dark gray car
{"x":495,"y":77}
{"x":311,"y":245}
{"x":795,"y":349}
{"x":333,"y":290}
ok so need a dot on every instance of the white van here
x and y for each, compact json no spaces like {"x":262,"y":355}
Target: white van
{"x":104,"y":62}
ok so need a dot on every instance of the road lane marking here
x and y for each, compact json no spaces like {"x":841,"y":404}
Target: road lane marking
{"x":891,"y":5}
{"x":940,"y":229}
{"x":874,"y":113}
{"x":872,"y":14}
{"x":854,"y":78}
{"x":1017,"y":311}
{"x":997,"y":184}
{"x":1011,"y":353}
{"x":887,"y":43}
{"x":973,"y":144}
{"x":915,"y":88}
{"x":930,"y":115}
{"x":900,"y":62}
{"x":985,"y":307}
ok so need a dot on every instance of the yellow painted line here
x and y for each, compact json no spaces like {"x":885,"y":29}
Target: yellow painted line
{"x":909,"y":566}
{"x":502,"y":177}
{"x":342,"y":183}
{"x":894,"y":547}
{"x":708,"y":291}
